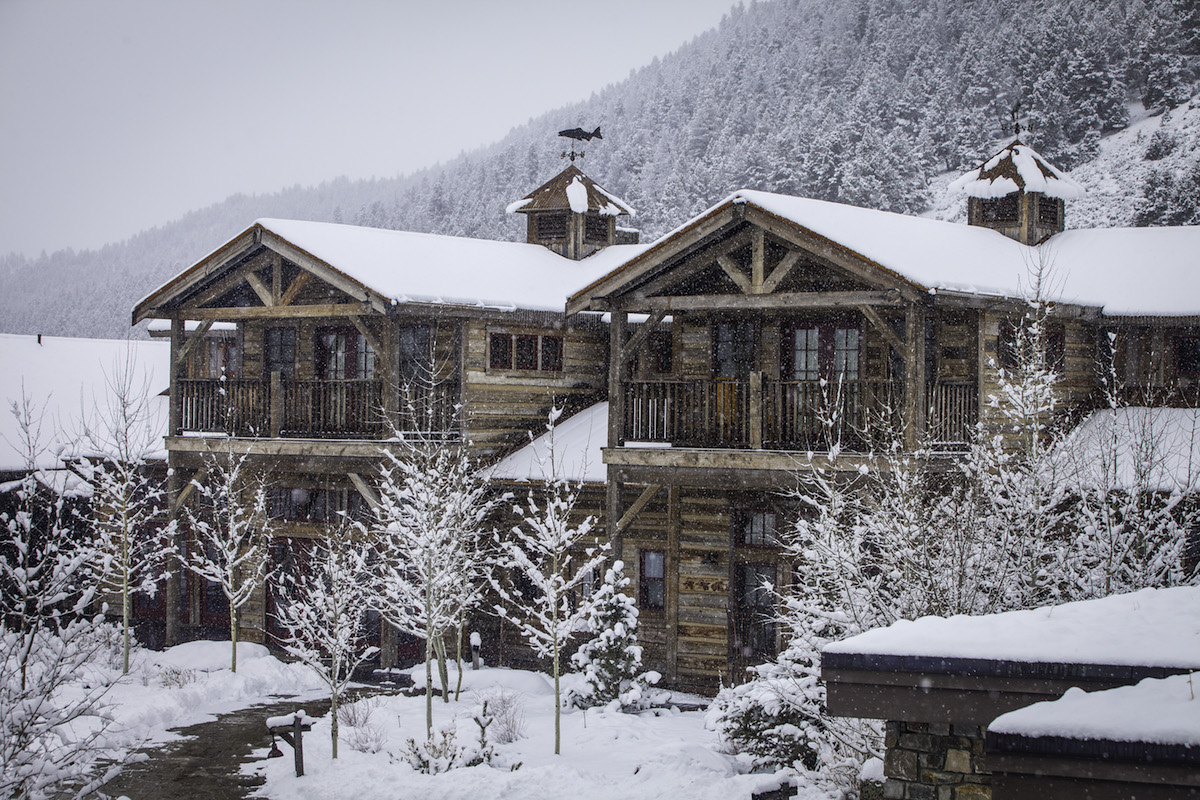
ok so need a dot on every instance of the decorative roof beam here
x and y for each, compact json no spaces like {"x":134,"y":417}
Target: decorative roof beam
{"x":192,"y":339}
{"x":782,"y":301}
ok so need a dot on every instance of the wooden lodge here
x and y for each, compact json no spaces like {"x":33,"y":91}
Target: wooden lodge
{"x":764,"y":329}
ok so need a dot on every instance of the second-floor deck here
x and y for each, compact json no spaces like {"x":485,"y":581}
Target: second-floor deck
{"x":758,"y":413}
{"x":337,"y":409}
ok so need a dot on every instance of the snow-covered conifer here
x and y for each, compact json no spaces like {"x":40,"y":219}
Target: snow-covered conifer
{"x":611,"y":661}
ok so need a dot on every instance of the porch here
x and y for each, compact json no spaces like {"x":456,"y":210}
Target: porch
{"x":762,"y":413}
{"x":312,"y":409}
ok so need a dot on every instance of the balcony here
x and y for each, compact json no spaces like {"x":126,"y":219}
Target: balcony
{"x":857,"y":415}
{"x":313,"y":409}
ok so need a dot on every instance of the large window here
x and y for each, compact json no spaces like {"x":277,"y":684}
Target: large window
{"x":344,"y":354}
{"x":754,"y":633}
{"x":224,"y":358}
{"x":827,"y":351}
{"x":416,"y":355}
{"x":525,"y":351}
{"x":280,"y":352}
{"x":652,"y":591}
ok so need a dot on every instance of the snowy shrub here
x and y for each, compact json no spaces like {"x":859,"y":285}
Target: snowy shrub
{"x":1161,"y":145}
{"x":176,"y":677}
{"x":366,"y":738}
{"x":358,"y":713}
{"x":611,"y":661}
{"x":112,"y":645}
{"x":435,"y":755}
{"x":506,"y":708}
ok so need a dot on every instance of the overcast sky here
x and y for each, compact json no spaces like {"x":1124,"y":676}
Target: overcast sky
{"x":118,"y":115}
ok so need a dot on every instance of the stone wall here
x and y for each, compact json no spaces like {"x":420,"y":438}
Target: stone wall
{"x":929,"y":761}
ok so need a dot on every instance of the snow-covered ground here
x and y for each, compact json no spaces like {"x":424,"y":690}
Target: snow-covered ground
{"x":654,"y":755}
{"x":192,"y":683}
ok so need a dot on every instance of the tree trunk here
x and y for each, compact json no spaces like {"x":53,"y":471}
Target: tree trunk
{"x":333,"y":718}
{"x":233,"y":635}
{"x":125,"y":611}
{"x":428,"y":686}
{"x":443,"y":675}
{"x":462,"y":623}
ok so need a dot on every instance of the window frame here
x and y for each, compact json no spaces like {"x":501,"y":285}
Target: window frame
{"x":543,"y":359}
{"x":287,"y":371}
{"x":646,"y":582}
{"x":1185,"y":367}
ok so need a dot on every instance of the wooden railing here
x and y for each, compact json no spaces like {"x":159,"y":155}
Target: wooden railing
{"x":315,"y":408}
{"x":338,"y":408}
{"x":953,"y":412}
{"x":236,"y":407}
{"x":817,"y":415}
{"x":689,"y":413}
{"x":795,"y":415}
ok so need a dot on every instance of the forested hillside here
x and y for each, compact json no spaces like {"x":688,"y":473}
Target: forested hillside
{"x":859,"y":101}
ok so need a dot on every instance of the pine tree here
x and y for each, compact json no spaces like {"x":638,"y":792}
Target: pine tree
{"x":611,"y":660}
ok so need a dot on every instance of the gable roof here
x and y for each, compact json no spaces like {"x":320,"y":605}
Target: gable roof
{"x":391,"y":267}
{"x":571,"y":190}
{"x":1125,"y":271}
{"x":65,"y":378}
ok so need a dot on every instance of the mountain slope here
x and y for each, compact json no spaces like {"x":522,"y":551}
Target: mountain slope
{"x":858,"y":101}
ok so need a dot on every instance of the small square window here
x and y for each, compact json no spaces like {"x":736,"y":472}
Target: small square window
{"x":552,"y":353}
{"x":526,"y":352}
{"x":500,"y":351}
{"x":757,"y":529}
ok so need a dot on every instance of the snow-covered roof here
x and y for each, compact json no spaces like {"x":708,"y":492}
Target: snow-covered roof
{"x":1155,"y":449}
{"x":1016,"y":167}
{"x":1153,"y":627}
{"x":576,"y":453}
{"x":1155,"y":710}
{"x":64,"y":378}
{"x":1125,"y":271}
{"x":449,"y":270}
{"x":571,"y":189}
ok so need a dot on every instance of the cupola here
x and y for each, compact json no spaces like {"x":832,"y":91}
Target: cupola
{"x":573,"y":215}
{"x":1018,"y":193}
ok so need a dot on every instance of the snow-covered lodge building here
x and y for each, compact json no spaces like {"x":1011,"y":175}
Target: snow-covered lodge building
{"x":720,"y":351}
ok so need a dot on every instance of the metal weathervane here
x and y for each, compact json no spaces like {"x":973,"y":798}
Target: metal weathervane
{"x":578,"y":135}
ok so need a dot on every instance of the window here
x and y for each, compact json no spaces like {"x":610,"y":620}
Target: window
{"x":1000,"y":209}
{"x":1012,"y":340}
{"x":314,"y":505}
{"x":500,"y":351}
{"x":525,"y":351}
{"x":652,"y":580}
{"x":754,"y":633}
{"x":416,"y":356}
{"x":1187,"y":355}
{"x":595,"y":228}
{"x":552,"y":354}
{"x":826,"y":351}
{"x":343,"y":354}
{"x":756,"y":528}
{"x":224,"y":358}
{"x":280,"y":355}
{"x":552,"y":225}
{"x":733,"y":349}
{"x":1048,"y":211}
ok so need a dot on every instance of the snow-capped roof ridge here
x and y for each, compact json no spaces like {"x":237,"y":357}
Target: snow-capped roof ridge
{"x":572,"y":189}
{"x":1016,"y":167}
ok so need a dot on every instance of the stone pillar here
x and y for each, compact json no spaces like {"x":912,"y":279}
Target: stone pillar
{"x":935,"y":761}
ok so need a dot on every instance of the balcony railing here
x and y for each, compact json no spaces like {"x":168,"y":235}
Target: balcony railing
{"x":794,"y":415}
{"x":349,"y":409}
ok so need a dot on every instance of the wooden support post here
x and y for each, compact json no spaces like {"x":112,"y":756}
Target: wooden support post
{"x":914,"y":376}
{"x":756,"y":409}
{"x":173,"y":416}
{"x":616,"y":425}
{"x":276,"y":403}
{"x":643,"y":499}
{"x":674,"y":526}
{"x":612,"y":513}
{"x":758,"y":254}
